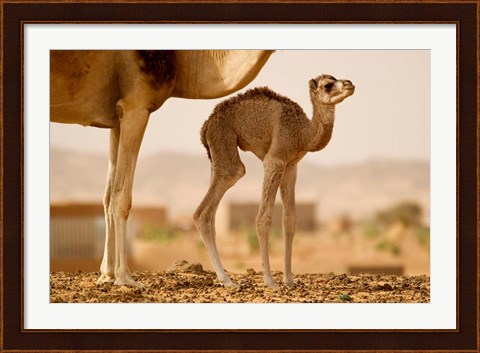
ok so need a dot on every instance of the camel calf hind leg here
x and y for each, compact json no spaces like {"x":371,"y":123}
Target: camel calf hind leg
{"x":227,"y":169}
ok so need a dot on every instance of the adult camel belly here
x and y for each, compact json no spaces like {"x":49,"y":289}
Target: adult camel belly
{"x":83,"y":88}
{"x":89,"y":112}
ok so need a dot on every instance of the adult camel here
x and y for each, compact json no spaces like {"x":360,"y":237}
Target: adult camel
{"x":119,"y":89}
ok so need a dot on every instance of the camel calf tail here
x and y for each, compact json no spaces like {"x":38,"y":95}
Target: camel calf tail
{"x":203,"y":137}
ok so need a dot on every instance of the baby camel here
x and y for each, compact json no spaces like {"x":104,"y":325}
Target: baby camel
{"x":278,"y":132}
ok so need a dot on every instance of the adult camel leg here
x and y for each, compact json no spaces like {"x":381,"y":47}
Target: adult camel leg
{"x":107,"y":268}
{"x":274,"y":170}
{"x":225,"y":173}
{"x":133,"y":122}
{"x":289,"y":218}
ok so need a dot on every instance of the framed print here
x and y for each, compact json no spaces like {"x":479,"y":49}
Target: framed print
{"x":412,"y":71}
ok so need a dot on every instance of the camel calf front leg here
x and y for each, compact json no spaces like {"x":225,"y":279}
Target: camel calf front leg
{"x":273,"y":174}
{"x":289,"y":218}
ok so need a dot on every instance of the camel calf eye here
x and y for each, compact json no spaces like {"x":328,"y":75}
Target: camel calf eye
{"x":329,"y":85}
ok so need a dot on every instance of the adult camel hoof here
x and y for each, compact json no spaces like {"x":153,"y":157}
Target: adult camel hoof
{"x":105,"y":279}
{"x":127,"y":281}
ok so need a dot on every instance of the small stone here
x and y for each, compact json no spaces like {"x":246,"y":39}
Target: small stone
{"x":124,"y":289}
{"x":183,"y":266}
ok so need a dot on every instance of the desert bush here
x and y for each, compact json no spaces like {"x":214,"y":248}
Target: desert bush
{"x":408,"y":213}
{"x":252,"y":239}
{"x":423,"y":237}
{"x":157,"y":234}
{"x":386,"y":245}
{"x":371,"y":230}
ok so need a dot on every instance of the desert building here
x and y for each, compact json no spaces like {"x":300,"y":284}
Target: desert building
{"x":237,"y":216}
{"x":148,"y":216}
{"x":77,"y":233}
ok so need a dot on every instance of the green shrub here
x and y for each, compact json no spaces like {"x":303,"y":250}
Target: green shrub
{"x":276,"y":232}
{"x":407,"y":212}
{"x":157,"y":234}
{"x":371,"y":230}
{"x":252,"y":240}
{"x":386,"y":245}
{"x":423,"y":237}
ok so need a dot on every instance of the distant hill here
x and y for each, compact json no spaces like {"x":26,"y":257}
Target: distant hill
{"x":179,"y":181}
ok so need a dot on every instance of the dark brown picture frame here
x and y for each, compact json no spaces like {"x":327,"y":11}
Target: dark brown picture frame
{"x":13,"y":338}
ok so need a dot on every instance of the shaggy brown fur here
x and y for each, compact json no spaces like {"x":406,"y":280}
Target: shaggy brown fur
{"x":291,"y":110}
{"x":279,"y":133}
{"x":257,"y":93}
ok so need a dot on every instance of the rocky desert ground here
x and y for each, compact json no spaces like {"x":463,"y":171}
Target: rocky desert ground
{"x":190,"y":283}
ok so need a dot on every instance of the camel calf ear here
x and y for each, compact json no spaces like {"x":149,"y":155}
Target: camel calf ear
{"x":313,"y":84}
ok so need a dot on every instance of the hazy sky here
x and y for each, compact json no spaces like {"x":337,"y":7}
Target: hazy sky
{"x":387,"y":117}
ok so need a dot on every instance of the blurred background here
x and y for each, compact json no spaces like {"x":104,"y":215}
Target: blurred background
{"x":363,"y":202}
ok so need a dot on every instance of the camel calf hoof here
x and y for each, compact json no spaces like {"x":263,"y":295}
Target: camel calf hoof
{"x":270,"y":283}
{"x":229,"y":283}
{"x":288,"y":282}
